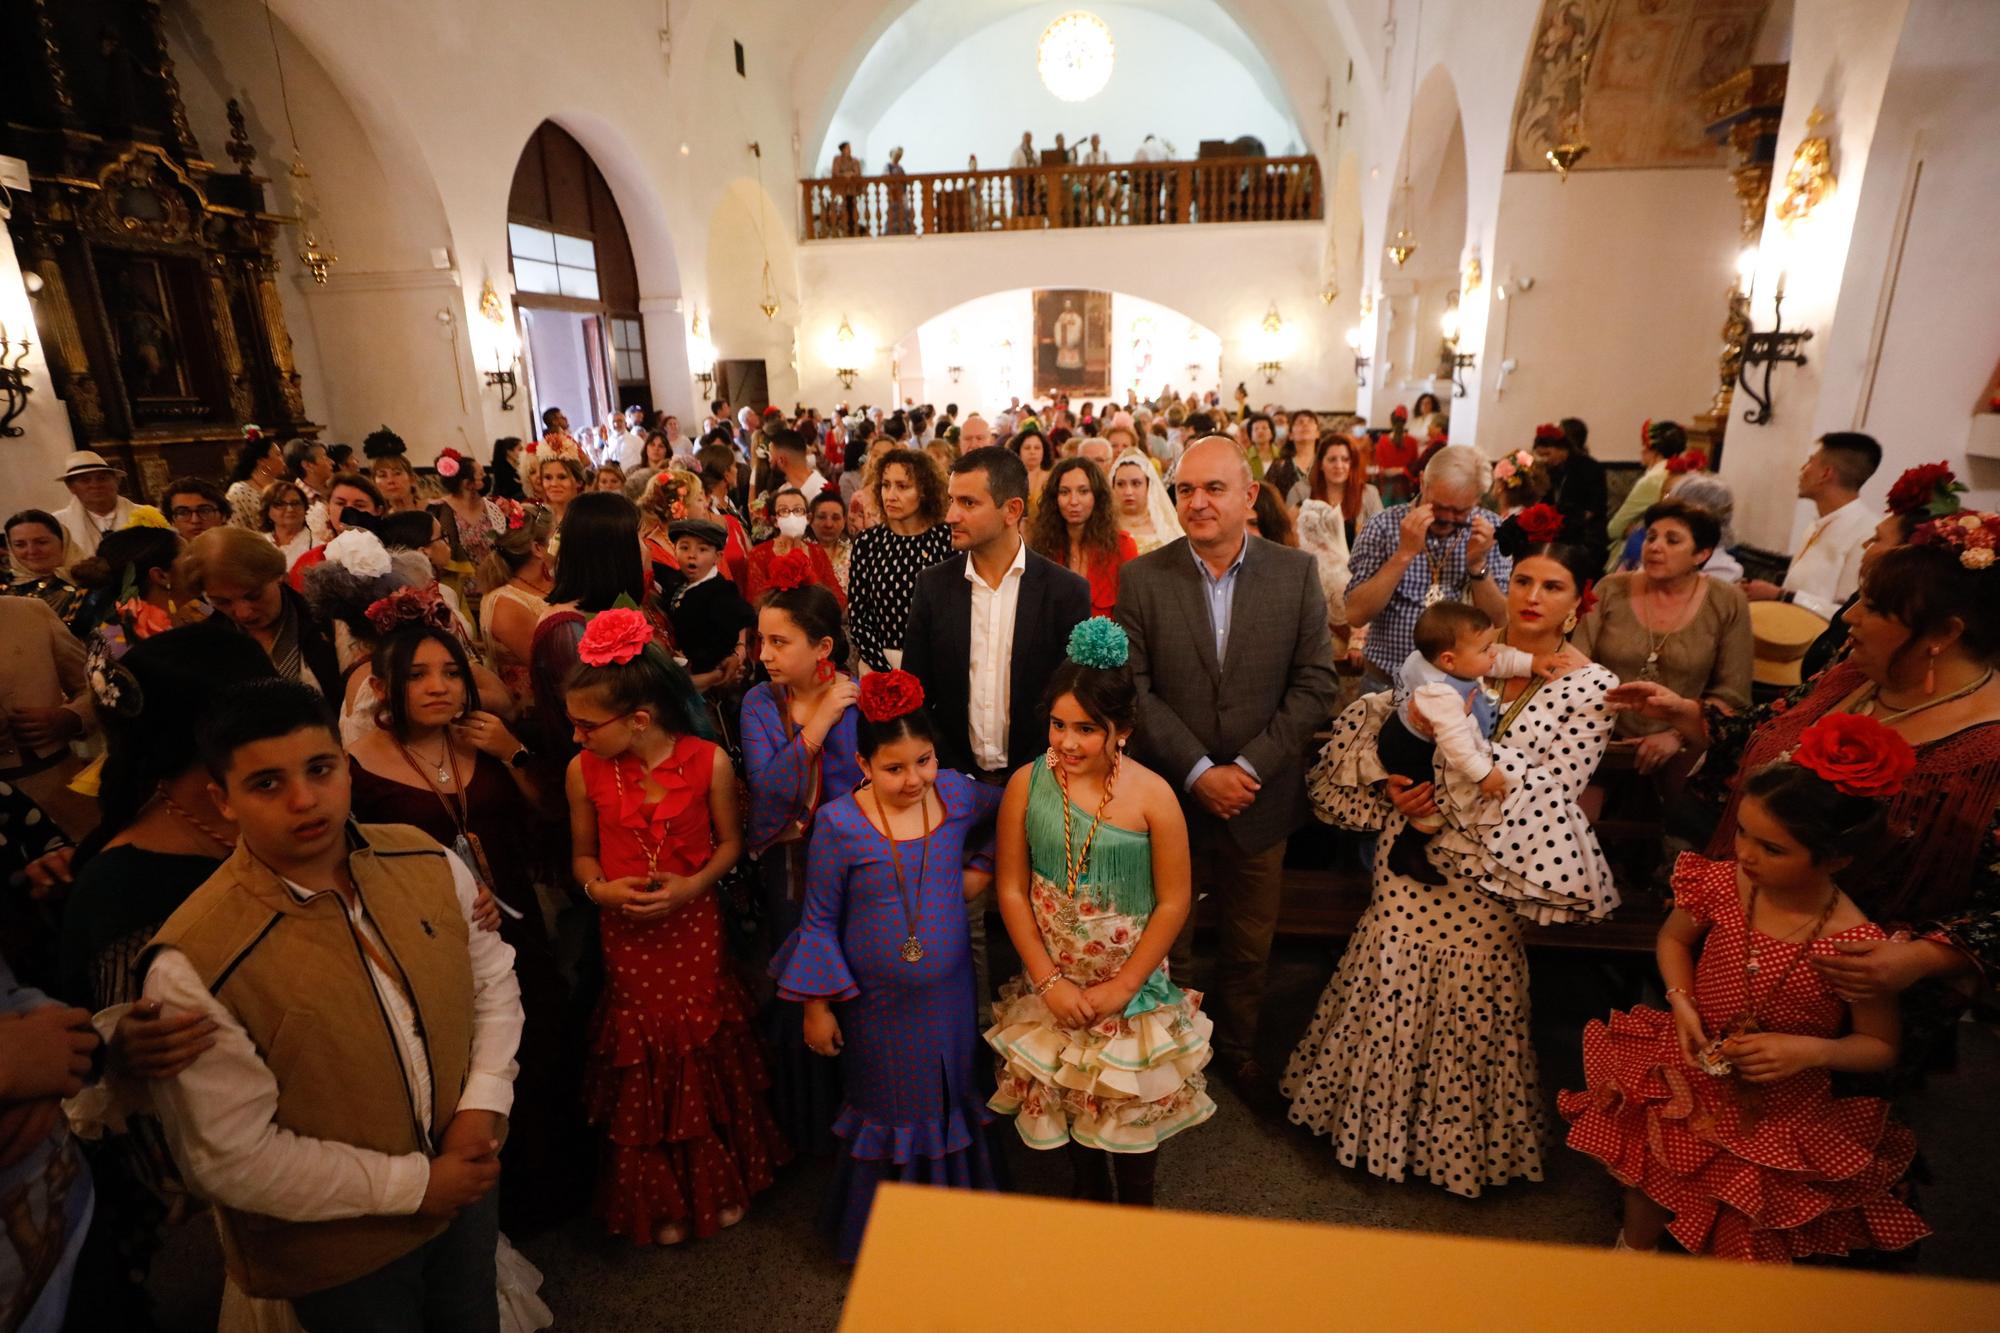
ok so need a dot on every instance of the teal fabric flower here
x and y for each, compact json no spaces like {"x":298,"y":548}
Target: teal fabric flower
{"x":1099,"y":642}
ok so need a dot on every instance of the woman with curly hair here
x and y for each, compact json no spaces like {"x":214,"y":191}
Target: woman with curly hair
{"x":912,"y":536}
{"x":1079,"y":529}
{"x":282,"y":515}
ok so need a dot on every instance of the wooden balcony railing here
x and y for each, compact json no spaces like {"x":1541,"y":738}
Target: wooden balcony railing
{"x":1123,"y":194}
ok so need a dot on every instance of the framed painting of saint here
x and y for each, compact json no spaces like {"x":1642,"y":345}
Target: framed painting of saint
{"x":1072,"y":343}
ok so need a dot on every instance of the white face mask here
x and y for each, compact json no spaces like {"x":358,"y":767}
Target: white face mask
{"x":792,"y":525}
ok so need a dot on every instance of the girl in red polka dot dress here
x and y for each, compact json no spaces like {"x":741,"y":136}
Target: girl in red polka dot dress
{"x":676,"y":1081}
{"x":1719,"y":1117}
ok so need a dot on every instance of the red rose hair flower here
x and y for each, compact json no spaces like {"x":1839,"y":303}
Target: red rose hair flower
{"x":449,"y":463}
{"x":1686,"y":461}
{"x":886,"y":695}
{"x":1972,"y":535}
{"x":1401,"y":413}
{"x":1550,"y":433}
{"x":1540,"y":523}
{"x":794,"y":569}
{"x":410,"y":606}
{"x":1858,"y":755}
{"x":614,"y":637}
{"x":1928,"y":488}
{"x":1586,"y":601}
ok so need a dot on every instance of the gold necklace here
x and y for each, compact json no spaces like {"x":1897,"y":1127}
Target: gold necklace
{"x":1073,"y":867}
{"x":194,"y":822}
{"x":445,"y":765}
{"x":1656,"y":644}
{"x":1872,"y":701}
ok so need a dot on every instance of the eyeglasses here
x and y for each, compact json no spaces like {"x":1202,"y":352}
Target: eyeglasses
{"x":591,"y":728}
{"x":283,"y":504}
{"x":199,"y":511}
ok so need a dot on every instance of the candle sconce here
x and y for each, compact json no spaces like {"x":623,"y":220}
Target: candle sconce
{"x":847,"y":376}
{"x":1767,"y":349}
{"x":14,"y":386}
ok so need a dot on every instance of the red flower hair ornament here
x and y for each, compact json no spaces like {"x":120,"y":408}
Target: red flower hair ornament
{"x":1550,"y":433}
{"x":1687,"y":460}
{"x":1929,"y":489}
{"x":614,"y":637}
{"x":1971,"y":535}
{"x":794,"y":569}
{"x":887,"y":695}
{"x":410,"y":606}
{"x":1540,"y":523}
{"x":1858,"y":755}
{"x":449,"y":463}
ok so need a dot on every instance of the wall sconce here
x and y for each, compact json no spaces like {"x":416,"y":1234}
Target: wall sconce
{"x":843,"y":354}
{"x":1453,"y":358}
{"x":701,"y":354}
{"x":1274,"y":334}
{"x":502,"y":378}
{"x":954,"y":372}
{"x":14,"y":386}
{"x":1360,"y":361}
{"x":1768,"y":348}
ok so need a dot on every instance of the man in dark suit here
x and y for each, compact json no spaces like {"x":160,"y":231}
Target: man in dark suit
{"x":1234,"y":666}
{"x":989,"y":626}
{"x":987,"y":630}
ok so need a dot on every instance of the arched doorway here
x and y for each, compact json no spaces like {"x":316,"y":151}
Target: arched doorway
{"x":575,"y":285}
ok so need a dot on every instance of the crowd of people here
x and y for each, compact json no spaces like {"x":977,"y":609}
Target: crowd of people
{"x":417,"y":855}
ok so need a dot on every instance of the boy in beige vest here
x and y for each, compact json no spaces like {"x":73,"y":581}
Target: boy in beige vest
{"x":347,"y":1120}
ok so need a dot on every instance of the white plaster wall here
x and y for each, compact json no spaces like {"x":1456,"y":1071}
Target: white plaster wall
{"x":1932,"y":295}
{"x":1167,"y":79}
{"x":1841,"y":55}
{"x":1631,"y":273}
{"x":887,"y":286}
{"x":29,"y":464}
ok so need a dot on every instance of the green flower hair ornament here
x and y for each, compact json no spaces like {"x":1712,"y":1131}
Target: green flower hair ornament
{"x":1099,"y":643}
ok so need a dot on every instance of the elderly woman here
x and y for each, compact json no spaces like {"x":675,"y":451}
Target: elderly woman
{"x":281,"y":517}
{"x":1925,"y":648}
{"x":242,"y":578}
{"x":1667,"y":622}
{"x":1419,"y":1058}
{"x":1144,"y":511}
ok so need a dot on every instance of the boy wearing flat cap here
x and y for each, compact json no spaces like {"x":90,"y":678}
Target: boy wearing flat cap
{"x":711,"y":620}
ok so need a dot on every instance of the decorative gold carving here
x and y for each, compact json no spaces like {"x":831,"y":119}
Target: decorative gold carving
{"x":154,"y":474}
{"x":241,"y":400}
{"x":145,"y":195}
{"x":56,"y":319}
{"x":169,"y":84}
{"x":241,"y":151}
{"x":52,"y":62}
{"x":1810,"y":177}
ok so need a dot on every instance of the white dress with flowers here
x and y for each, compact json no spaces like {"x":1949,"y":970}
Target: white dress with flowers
{"x":1128,"y":1082}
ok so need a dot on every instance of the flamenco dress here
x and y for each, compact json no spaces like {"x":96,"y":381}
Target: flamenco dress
{"x":675,"y":1079}
{"x":789,"y":785}
{"x":909,"y":1026}
{"x":1132,"y":1080}
{"x":1771,"y":1172}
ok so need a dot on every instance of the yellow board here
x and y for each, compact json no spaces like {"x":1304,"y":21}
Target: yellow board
{"x":955,"y":1261}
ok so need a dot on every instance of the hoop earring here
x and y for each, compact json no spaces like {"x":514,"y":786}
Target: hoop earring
{"x":825,"y":670}
{"x":1569,"y":624}
{"x":1930,"y":673}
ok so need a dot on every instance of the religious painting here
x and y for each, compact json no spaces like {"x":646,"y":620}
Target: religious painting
{"x":140,"y":302}
{"x":1072,"y":343}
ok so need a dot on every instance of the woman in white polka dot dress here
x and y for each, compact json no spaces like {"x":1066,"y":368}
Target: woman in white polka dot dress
{"x":1418,"y":1059}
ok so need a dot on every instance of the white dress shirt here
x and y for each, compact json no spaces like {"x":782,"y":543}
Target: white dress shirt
{"x":628,"y":450}
{"x":1827,"y":569}
{"x":219,"y":1112}
{"x":993,"y":611}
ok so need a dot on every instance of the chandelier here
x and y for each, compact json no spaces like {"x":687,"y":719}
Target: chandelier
{"x":1074,"y":56}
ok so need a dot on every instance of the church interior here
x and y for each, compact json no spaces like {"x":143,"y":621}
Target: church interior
{"x":1765,"y":220}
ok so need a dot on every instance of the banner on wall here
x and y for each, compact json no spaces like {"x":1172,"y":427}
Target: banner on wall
{"x":1072,"y":343}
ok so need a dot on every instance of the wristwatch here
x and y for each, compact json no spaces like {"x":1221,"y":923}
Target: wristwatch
{"x":520,"y":758}
{"x":1475,"y":574}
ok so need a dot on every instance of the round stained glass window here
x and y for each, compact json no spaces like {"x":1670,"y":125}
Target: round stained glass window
{"x":1074,"y":56}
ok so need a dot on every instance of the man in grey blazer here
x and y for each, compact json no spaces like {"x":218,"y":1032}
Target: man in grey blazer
{"x":1234,"y":666}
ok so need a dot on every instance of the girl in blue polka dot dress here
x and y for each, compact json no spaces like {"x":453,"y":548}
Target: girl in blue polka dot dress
{"x":882,"y":961}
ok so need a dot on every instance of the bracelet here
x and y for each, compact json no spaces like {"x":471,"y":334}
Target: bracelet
{"x":1048,"y":983}
{"x":1681,"y":991}
{"x":588,"y":894}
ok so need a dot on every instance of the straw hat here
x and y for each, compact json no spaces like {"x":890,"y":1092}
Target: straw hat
{"x":1782,"y":632}
{"x":84,"y":461}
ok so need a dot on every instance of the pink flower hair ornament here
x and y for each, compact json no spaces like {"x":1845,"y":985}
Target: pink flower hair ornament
{"x":410,"y":606}
{"x":614,"y":637}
